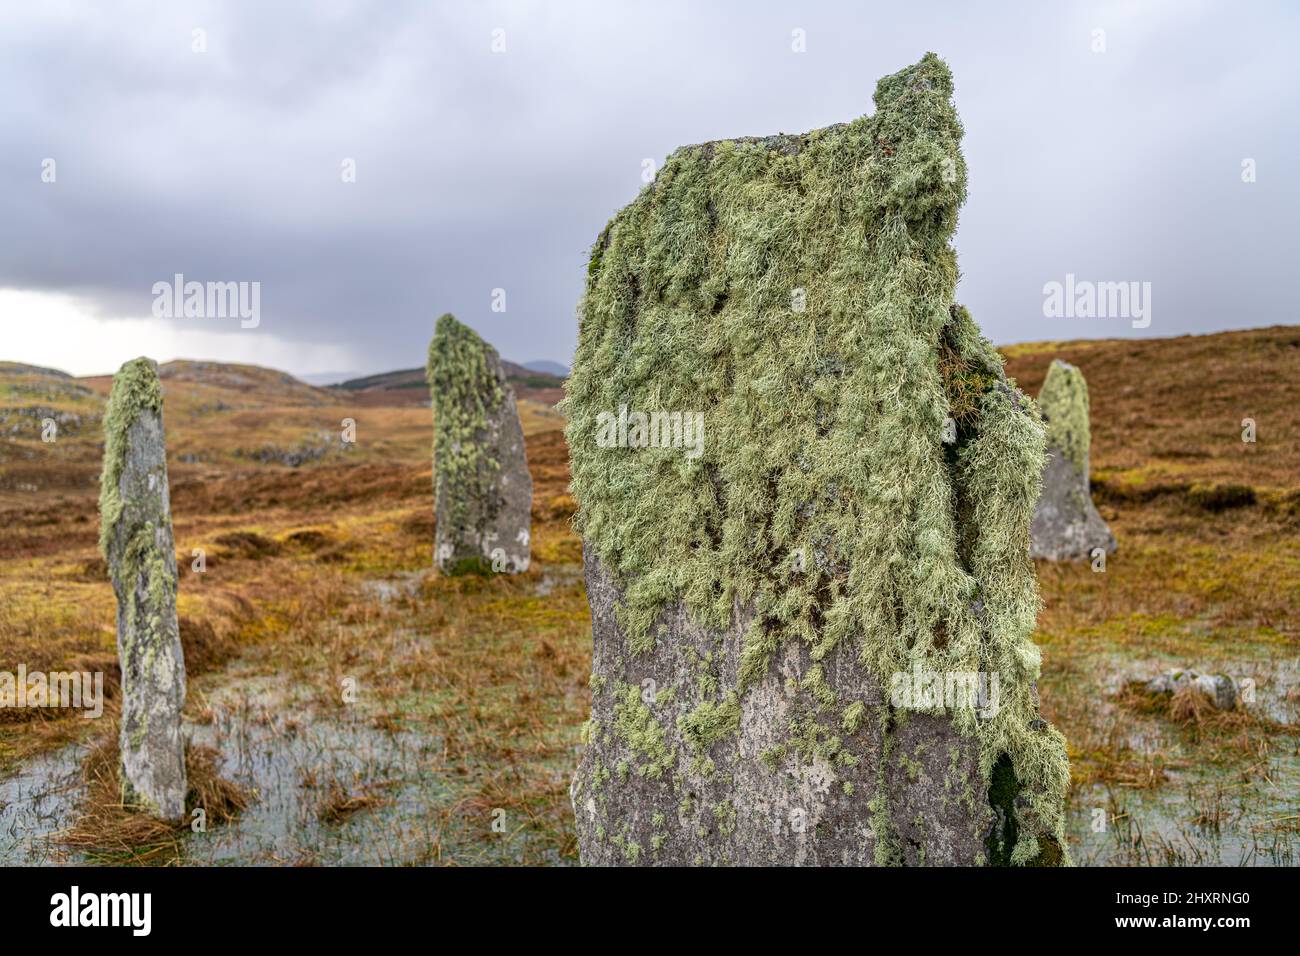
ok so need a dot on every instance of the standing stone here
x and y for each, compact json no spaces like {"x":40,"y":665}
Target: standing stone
{"x":137,"y":542}
{"x":482,"y":487}
{"x":805,"y":487}
{"x":1066,"y":524}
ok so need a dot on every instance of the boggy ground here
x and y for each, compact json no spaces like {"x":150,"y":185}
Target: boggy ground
{"x":372,"y":712}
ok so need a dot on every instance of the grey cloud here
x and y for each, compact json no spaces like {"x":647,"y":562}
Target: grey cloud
{"x":478,"y":171}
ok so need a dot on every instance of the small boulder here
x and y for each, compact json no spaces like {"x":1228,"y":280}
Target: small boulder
{"x":1221,"y":690}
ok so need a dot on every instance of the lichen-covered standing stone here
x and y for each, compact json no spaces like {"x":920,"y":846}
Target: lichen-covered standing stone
{"x":812,"y":633}
{"x":138,"y":545}
{"x":483,"y":490}
{"x":1066,"y":524}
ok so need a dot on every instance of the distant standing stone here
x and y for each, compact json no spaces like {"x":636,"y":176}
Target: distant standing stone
{"x":137,"y":542}
{"x":1066,"y":524}
{"x":482,"y":487}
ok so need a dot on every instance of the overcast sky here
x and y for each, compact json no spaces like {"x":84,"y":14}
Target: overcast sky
{"x":1112,"y":156}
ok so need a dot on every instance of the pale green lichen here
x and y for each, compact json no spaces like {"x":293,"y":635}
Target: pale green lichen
{"x":825,"y":427}
{"x":636,"y":725}
{"x":814,"y":681}
{"x":136,"y":389}
{"x":725,"y":815}
{"x":709,"y":722}
{"x":129,"y":542}
{"x":466,"y":393}
{"x":773,"y":756}
{"x":853,"y":716}
{"x":1063,"y":401}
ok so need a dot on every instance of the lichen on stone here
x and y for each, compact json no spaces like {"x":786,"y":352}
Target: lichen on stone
{"x":1063,"y":402}
{"x":799,"y":290}
{"x":136,"y":388}
{"x":465,"y":394}
{"x":138,"y":545}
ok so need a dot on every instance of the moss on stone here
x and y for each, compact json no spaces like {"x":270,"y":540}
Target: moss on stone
{"x":466,"y":393}
{"x":710,"y":722}
{"x":473,"y":564}
{"x":136,"y":388}
{"x":824,"y":427}
{"x":853,"y":716}
{"x":1063,"y":401}
{"x":636,"y":725}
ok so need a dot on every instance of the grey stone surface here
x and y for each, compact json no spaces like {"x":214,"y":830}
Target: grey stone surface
{"x":141,"y":555}
{"x":1066,"y":525}
{"x":735,"y":801}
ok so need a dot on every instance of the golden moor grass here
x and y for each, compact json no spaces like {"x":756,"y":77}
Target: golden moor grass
{"x":109,"y":831}
{"x":468,"y":662}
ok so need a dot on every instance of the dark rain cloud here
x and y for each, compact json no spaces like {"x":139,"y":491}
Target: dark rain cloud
{"x":479,"y":170}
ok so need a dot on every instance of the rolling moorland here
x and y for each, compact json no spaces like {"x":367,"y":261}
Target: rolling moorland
{"x":347,"y":705}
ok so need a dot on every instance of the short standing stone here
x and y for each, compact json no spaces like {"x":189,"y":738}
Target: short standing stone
{"x":1066,"y":524}
{"x":482,"y":487}
{"x":137,"y":542}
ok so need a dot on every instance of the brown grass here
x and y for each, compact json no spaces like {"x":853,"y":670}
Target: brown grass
{"x":109,"y":831}
{"x":337,"y":802}
{"x":1207,"y":575}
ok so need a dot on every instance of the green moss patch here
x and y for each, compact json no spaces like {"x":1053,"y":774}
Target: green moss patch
{"x":1064,"y":404}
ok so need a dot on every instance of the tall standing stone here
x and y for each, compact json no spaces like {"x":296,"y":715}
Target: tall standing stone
{"x":482,"y":487}
{"x":811,"y":610}
{"x":1066,"y":524}
{"x":137,"y":542}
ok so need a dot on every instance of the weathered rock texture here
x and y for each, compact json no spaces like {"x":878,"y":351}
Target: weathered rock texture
{"x":1220,"y":690}
{"x":138,"y":545}
{"x":859,"y":516}
{"x":1066,"y":524}
{"x":482,"y":487}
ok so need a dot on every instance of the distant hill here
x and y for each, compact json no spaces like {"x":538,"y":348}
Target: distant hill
{"x":253,"y":380}
{"x":222,"y":418}
{"x":548,"y":367}
{"x":408,"y":386}
{"x":1167,"y":413}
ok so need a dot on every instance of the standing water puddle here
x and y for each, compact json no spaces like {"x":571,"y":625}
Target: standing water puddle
{"x":36,"y":801}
